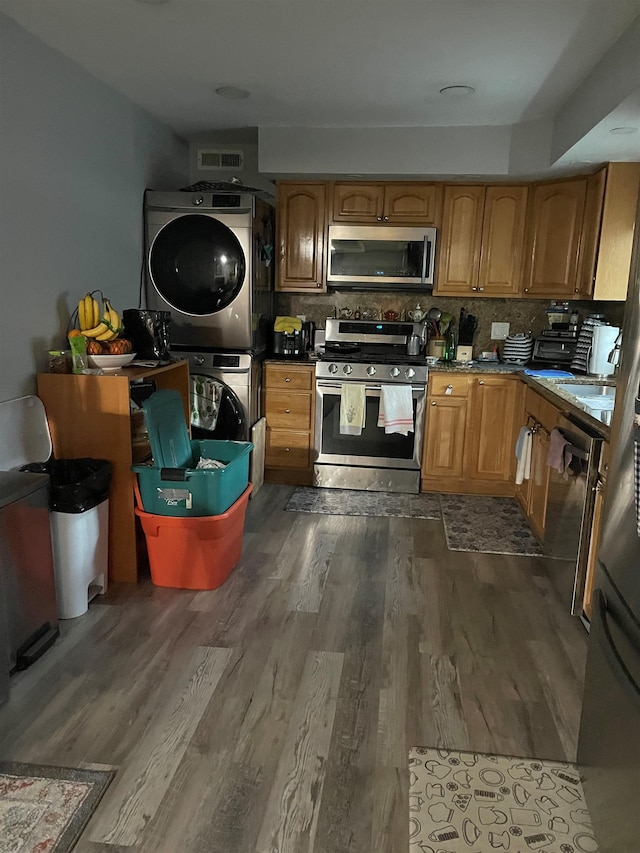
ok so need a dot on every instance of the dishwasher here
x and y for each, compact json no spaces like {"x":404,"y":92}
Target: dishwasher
{"x":571,"y":501}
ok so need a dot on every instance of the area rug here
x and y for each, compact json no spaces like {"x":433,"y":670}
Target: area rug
{"x":44,"y":809}
{"x":354,"y":502}
{"x":479,"y":803}
{"x":487,"y":525}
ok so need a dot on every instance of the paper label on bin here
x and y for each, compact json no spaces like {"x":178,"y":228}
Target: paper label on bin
{"x":172,"y":497}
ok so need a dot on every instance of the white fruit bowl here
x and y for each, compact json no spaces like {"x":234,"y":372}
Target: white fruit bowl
{"x":111,"y":362}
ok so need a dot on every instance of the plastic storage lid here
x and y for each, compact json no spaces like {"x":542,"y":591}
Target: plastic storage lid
{"x":167,"y":427}
{"x":25,"y":432}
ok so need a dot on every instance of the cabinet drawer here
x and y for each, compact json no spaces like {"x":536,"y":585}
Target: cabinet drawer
{"x":448,"y":384}
{"x":288,"y":411}
{"x":289,"y":377}
{"x":287,"y":449}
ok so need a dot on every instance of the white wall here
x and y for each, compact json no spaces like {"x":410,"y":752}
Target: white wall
{"x":75,"y":158}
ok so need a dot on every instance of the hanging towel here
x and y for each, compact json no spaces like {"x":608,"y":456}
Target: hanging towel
{"x":287,"y":324}
{"x":396,"y":409}
{"x":206,"y":395}
{"x":558,"y":456}
{"x":523,"y":454}
{"x":352,"y":408}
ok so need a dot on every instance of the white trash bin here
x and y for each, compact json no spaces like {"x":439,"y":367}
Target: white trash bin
{"x":80,"y":557}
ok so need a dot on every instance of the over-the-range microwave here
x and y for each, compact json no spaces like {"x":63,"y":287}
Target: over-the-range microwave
{"x":384,"y":257}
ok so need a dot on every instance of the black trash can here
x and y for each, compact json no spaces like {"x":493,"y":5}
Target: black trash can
{"x":79,"y":507}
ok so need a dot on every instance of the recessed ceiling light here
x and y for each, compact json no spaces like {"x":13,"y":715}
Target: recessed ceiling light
{"x":232,"y":93}
{"x":621,"y":131}
{"x":457,"y":91}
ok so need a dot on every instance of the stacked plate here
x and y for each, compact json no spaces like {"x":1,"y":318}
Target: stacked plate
{"x":583,"y":346}
{"x":518,"y":349}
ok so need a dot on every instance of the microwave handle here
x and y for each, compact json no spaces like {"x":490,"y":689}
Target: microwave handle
{"x":425,"y":253}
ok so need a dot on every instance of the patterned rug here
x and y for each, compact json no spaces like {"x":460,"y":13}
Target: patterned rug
{"x":478,"y":803}
{"x":44,"y":809}
{"x":354,"y":502}
{"x":487,"y":525}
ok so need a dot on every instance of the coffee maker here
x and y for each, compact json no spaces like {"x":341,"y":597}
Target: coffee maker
{"x":295,"y":343}
{"x":556,"y":345}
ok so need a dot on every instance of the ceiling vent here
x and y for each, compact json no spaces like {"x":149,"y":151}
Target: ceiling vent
{"x":209,"y":159}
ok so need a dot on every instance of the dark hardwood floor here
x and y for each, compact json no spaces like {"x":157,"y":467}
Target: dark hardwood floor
{"x":275,"y":714}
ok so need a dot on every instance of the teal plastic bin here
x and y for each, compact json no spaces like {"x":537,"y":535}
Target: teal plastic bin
{"x":173,"y":485}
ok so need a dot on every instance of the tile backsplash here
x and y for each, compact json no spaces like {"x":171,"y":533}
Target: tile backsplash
{"x":523,"y":315}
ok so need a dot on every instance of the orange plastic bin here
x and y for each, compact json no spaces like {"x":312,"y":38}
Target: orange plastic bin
{"x":193,"y":553}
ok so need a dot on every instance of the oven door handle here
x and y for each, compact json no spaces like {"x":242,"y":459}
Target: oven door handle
{"x":367,"y":387}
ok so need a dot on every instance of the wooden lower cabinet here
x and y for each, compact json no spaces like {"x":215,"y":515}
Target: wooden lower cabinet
{"x":289,"y":406}
{"x":470,"y":433}
{"x":90,"y":416}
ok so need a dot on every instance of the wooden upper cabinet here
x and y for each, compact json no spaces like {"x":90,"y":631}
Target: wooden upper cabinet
{"x":460,"y":240}
{"x":554,"y":238}
{"x":503,"y":231}
{"x":480,"y":250}
{"x":396,"y":203}
{"x":301,"y":220}
{"x":607,"y":233}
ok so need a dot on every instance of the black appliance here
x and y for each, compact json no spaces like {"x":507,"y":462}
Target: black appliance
{"x":148,"y":332}
{"x":294,"y":344}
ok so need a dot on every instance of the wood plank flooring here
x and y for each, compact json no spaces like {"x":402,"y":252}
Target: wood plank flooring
{"x":275,"y":714}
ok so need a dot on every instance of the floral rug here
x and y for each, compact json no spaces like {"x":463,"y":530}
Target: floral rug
{"x":479,"y":803}
{"x":355,"y":502}
{"x":487,"y":525}
{"x":44,"y":809}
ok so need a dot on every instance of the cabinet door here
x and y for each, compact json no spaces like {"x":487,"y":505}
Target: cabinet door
{"x":411,"y":204}
{"x":443,"y":454}
{"x":460,"y":239}
{"x":591,"y":233}
{"x":358,"y":202}
{"x":539,"y":482}
{"x":594,"y":544}
{"x":554,"y":238}
{"x":301,"y":235}
{"x":503,"y":230}
{"x":490,"y":428}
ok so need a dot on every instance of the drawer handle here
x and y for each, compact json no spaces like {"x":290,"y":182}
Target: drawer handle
{"x":287,"y":379}
{"x":433,"y":403}
{"x":481,"y":382}
{"x":287,"y":450}
{"x":287,"y":411}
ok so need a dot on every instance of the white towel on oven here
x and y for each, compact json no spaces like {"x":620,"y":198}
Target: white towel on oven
{"x":396,"y":409}
{"x":352,"y":408}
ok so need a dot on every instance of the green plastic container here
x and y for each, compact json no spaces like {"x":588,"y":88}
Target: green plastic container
{"x":173,"y":485}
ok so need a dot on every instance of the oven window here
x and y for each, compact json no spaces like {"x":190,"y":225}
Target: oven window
{"x":373,"y":442}
{"x":197,"y":264}
{"x":371,"y":258}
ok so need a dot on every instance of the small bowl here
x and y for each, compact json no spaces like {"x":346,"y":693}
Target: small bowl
{"x":432,"y":360}
{"x":111,"y":362}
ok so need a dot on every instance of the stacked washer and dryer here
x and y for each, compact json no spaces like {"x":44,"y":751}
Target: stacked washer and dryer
{"x":209,"y":262}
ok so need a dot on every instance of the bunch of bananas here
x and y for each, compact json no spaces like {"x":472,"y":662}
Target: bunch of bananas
{"x":104,"y":328}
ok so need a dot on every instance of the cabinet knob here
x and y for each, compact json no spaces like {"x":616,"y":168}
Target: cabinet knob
{"x":474,"y":288}
{"x":287,"y":411}
{"x":287,"y":450}
{"x":379,"y":218}
{"x":318,"y":284}
{"x":480,"y":381}
{"x":577,"y":290}
{"x":526,"y":290}
{"x":287,"y":379}
{"x":481,"y":288}
{"x":433,"y":403}
{"x":386,"y":218}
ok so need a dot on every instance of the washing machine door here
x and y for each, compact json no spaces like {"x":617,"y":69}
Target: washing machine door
{"x":216,"y":411}
{"x":197,"y":264}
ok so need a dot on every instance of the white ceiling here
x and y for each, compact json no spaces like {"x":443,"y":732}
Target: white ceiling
{"x":364,"y":63}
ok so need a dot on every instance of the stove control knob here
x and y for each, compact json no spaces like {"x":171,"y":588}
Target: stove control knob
{"x":395,"y":371}
{"x":371,"y":370}
{"x":333,"y":368}
{"x":410,"y":373}
{"x":347,"y":369}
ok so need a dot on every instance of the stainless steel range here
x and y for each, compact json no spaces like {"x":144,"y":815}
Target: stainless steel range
{"x":367,"y":357}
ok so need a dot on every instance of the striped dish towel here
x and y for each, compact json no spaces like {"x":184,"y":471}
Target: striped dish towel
{"x":395,"y":413}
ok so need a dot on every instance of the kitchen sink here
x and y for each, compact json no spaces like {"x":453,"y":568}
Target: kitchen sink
{"x":579,"y":389}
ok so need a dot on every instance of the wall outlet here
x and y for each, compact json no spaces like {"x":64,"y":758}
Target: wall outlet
{"x":499,"y":331}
